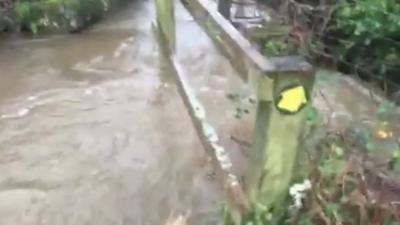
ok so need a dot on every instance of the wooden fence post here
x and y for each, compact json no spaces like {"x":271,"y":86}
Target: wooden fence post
{"x":164,"y":30}
{"x":283,"y":86}
{"x":283,"y":103}
{"x":166,"y":22}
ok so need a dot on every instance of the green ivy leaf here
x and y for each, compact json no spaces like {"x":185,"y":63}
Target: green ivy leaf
{"x":337,"y":150}
{"x":346,"y":12}
{"x":34,"y":28}
{"x":396,"y":155}
{"x":371,"y":146}
{"x":331,"y":167}
{"x":305,"y":220}
{"x":332,"y":209}
{"x":313,"y":115}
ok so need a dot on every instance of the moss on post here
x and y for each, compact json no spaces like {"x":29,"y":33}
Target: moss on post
{"x":166,"y":20}
{"x":281,"y":115}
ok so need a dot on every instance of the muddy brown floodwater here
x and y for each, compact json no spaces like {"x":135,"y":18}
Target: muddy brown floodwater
{"x":92,"y":134}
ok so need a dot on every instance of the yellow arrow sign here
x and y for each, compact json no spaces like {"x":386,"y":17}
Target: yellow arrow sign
{"x":292,"y":99}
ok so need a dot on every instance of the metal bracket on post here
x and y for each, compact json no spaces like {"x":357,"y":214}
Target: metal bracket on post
{"x":247,"y":13}
{"x":224,"y":7}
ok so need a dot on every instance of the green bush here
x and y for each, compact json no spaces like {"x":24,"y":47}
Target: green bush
{"x":368,"y":37}
{"x":361,"y":36}
{"x":58,"y":15}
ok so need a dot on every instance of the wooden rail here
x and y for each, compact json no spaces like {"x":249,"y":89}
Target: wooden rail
{"x":283,"y":86}
{"x":209,"y":138}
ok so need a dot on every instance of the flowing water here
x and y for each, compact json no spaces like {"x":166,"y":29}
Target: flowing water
{"x":91,"y":133}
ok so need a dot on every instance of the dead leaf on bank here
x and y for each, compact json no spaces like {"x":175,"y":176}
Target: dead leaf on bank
{"x":178,"y":220}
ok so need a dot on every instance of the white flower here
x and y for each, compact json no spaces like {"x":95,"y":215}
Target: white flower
{"x":297,"y":193}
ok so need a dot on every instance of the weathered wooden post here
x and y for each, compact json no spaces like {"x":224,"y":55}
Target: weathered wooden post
{"x":165,"y":33}
{"x":166,"y":23}
{"x":283,"y":103}
{"x":283,"y":86}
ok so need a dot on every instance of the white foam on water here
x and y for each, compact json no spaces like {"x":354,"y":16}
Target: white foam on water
{"x":88,"y":91}
{"x":32,"y":98}
{"x":20,"y":113}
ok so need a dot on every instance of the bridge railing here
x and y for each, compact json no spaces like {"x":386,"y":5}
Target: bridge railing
{"x":283,"y":86}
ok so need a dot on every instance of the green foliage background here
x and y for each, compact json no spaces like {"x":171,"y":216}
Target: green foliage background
{"x":58,"y":15}
{"x":368,"y":37}
{"x":360,"y":36}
